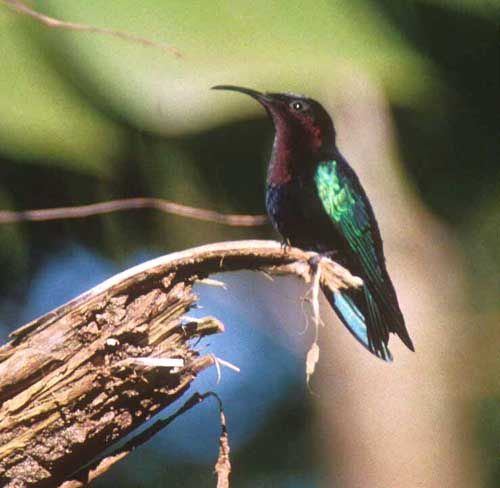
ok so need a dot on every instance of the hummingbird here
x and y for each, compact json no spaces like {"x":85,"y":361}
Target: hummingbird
{"x":316,"y":202}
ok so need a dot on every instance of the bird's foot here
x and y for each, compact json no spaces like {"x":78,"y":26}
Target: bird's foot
{"x":285,"y":245}
{"x":314,"y":261}
{"x":316,"y":258}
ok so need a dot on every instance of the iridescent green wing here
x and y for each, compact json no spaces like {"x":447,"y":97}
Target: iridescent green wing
{"x":349,"y":212}
{"x":344,"y":201}
{"x":346,"y":206}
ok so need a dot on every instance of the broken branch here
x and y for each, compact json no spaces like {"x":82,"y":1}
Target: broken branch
{"x":75,"y":381}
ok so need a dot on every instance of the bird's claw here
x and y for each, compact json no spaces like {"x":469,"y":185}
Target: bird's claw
{"x":314,"y":261}
{"x":285,"y":245}
{"x":316,"y":258}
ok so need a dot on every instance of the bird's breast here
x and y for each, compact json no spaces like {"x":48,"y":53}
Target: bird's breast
{"x":291,"y":208}
{"x":297,"y":213}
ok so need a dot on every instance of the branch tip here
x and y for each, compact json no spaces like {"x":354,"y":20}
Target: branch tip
{"x":20,"y":7}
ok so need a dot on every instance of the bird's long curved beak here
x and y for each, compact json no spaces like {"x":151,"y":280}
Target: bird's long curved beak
{"x":261,"y":97}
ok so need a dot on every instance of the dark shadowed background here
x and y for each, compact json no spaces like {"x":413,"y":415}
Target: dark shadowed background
{"x":413,"y":90}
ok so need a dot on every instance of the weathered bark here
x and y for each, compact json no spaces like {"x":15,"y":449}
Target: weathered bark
{"x":72,"y":383}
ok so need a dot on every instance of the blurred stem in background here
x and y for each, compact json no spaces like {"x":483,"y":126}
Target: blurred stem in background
{"x":400,"y":426}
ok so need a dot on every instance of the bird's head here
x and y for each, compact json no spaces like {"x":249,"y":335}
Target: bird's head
{"x":300,"y":122}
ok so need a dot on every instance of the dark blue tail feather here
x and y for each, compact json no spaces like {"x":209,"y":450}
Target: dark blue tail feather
{"x":347,"y":306}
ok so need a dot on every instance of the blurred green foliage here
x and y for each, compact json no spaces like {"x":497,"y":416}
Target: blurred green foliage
{"x":87,"y":117}
{"x":41,"y":111}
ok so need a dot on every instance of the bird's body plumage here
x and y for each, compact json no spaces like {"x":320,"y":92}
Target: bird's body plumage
{"x":316,"y":202}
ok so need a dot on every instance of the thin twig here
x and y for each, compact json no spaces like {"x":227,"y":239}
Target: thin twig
{"x":21,"y":8}
{"x":96,"y":469}
{"x":218,"y":362}
{"x":82,"y":211}
{"x":223,"y":465}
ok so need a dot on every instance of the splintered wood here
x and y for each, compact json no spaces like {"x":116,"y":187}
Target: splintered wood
{"x":80,"y":378}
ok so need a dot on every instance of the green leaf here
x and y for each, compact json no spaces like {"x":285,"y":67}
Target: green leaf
{"x":44,"y":118}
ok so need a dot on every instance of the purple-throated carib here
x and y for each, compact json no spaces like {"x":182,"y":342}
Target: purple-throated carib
{"x":316,"y":202}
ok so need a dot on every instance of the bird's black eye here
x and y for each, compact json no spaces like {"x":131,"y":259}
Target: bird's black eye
{"x":297,"y":106}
